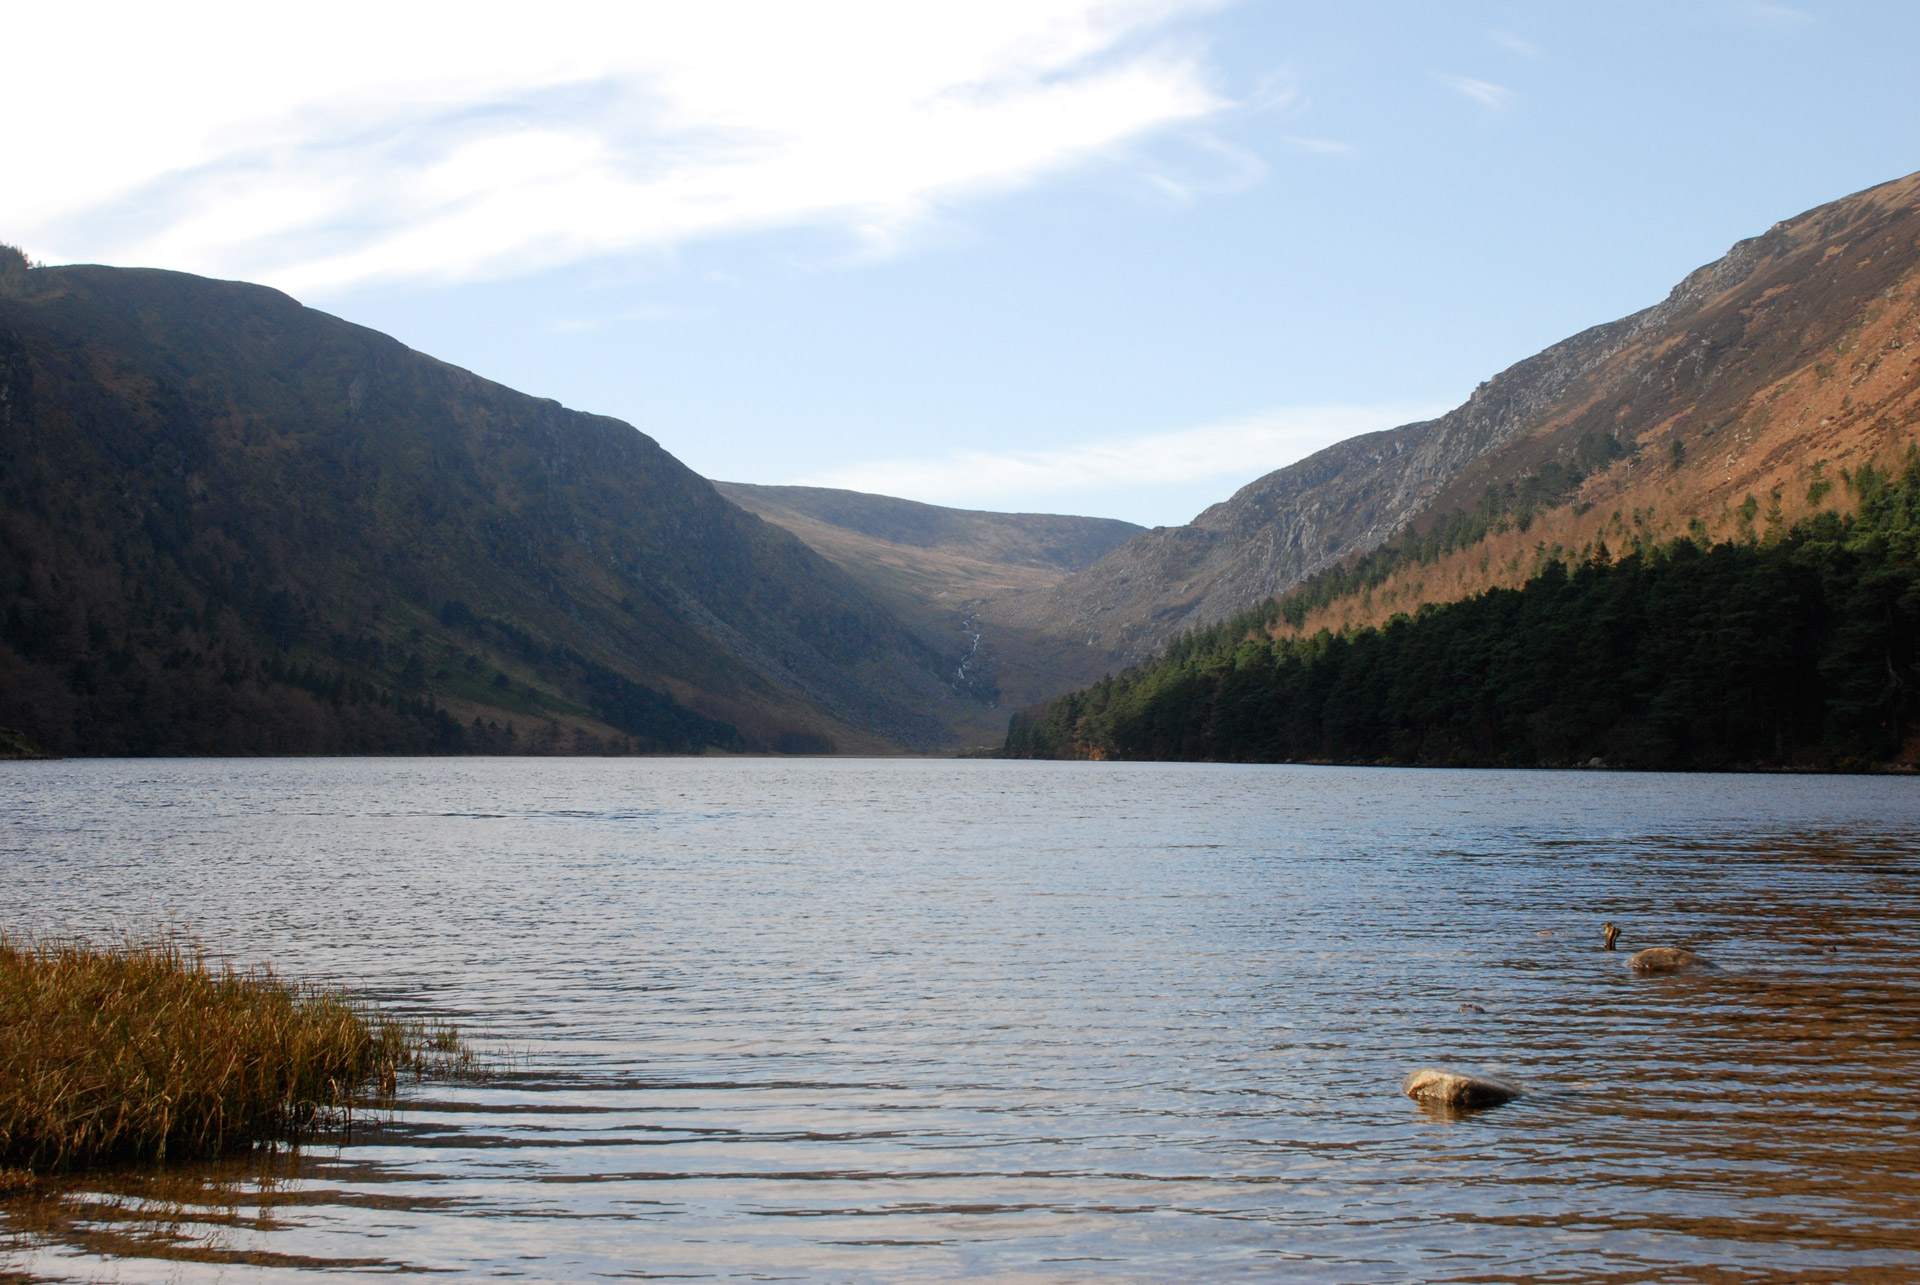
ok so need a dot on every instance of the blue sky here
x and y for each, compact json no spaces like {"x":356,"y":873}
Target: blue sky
{"x":1112,"y":258}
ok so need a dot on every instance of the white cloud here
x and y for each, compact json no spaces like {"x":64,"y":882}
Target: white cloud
{"x":316,"y":148}
{"x":1227,"y":455}
{"x":1484,"y":92}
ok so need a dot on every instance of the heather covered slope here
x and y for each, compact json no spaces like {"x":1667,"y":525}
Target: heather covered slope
{"x":1766,"y":371}
{"x":231,"y":524}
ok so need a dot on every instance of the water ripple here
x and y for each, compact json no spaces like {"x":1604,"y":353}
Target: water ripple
{"x":908,"y":1020}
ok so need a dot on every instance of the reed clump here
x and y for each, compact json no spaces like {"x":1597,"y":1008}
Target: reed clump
{"x":147,"y":1051}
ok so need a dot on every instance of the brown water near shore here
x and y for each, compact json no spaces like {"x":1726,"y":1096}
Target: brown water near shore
{"x":917,"y":1020}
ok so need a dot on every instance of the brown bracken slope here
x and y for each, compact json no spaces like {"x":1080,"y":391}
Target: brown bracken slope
{"x":1773,"y":376}
{"x":1766,"y":373}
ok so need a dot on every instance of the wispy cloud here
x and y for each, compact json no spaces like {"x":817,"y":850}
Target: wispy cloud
{"x":1278,"y":90}
{"x":1484,"y":92}
{"x":1208,"y":166}
{"x":645,"y":314}
{"x":452,"y":141}
{"x":1230,"y":454}
{"x":1321,"y":146}
{"x":1514,"y":44}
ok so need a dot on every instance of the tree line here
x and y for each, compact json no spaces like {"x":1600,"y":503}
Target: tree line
{"x":1795,"y":650}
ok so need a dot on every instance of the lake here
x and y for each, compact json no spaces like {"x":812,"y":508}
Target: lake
{"x":897,"y":1020}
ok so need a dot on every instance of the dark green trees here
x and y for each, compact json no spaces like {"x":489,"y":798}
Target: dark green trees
{"x":1797,"y":651}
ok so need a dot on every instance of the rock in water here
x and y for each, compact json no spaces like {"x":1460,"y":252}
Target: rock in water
{"x":1453,"y":1089}
{"x":1664,"y":959}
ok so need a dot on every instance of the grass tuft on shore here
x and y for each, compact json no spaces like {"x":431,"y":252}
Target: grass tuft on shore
{"x":146,"y":1051}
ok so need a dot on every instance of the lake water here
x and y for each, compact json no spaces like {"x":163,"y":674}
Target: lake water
{"x":898,"y":1020}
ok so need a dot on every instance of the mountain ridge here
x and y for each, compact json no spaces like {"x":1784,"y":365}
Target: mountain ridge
{"x":234,"y":524}
{"x":1786,"y":380}
{"x":1284,"y":527}
{"x":937,"y":568}
{"x":1052,"y":541}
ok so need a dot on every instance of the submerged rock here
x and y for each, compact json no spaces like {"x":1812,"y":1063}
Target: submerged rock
{"x":1456,"y":1090}
{"x":1665,"y":959}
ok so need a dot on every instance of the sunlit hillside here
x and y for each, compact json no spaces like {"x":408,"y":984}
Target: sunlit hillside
{"x":1751,"y":415}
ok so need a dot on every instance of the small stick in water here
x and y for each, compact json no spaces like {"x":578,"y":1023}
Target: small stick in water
{"x":1610,"y":931}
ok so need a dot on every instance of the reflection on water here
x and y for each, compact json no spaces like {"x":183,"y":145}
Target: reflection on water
{"x":897,"y":1020}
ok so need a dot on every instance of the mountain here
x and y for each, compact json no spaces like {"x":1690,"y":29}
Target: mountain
{"x":1765,"y":372}
{"x":1801,"y":650}
{"x":1048,"y":544}
{"x":1777,"y":375}
{"x":1689,"y":539}
{"x":232,"y":524}
{"x":936,"y":568}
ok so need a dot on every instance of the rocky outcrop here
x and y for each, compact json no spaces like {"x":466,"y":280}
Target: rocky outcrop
{"x":1665,"y":959}
{"x":1456,"y":1090}
{"x":1278,"y":530}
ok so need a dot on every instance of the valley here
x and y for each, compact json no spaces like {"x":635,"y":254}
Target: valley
{"x":236,"y":525}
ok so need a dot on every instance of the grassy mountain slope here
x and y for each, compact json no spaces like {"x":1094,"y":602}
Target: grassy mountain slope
{"x":1696,"y":549}
{"x":1288,"y":524}
{"x":1794,"y":362}
{"x":1800,"y":650}
{"x":1767,"y":371}
{"x":1045,"y":542}
{"x":936,"y":567}
{"x":229,"y":523}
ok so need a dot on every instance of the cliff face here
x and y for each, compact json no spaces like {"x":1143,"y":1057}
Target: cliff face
{"x":1283,"y":527}
{"x":231,"y":524}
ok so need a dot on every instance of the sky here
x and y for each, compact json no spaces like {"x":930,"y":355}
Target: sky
{"x":1044,"y":255}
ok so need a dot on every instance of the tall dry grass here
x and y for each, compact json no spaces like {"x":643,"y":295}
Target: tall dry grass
{"x":145,"y":1050}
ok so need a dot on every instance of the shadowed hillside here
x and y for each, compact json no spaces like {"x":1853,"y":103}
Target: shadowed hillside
{"x":936,"y":568}
{"x":1048,"y":542}
{"x":231,"y":524}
